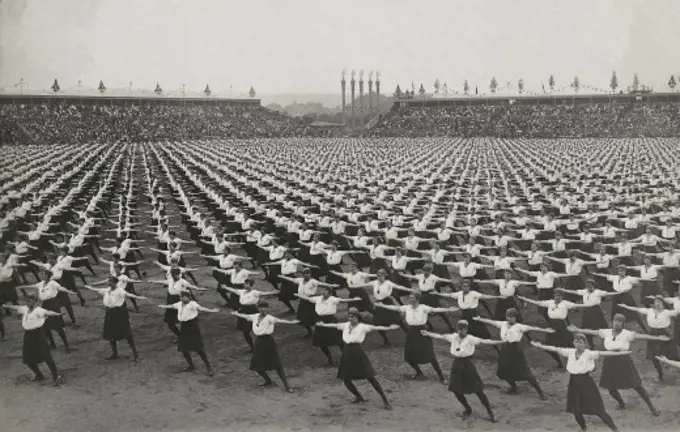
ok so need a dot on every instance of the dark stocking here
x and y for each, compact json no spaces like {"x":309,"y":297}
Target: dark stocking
{"x":204,"y":358}
{"x":284,"y":380}
{"x":173,"y":328}
{"x":248,"y":338}
{"x":657,"y":366}
{"x":187,"y":357}
{"x":327,"y":353}
{"x":267,"y":380}
{"x":353,"y":389}
{"x":376,"y":385}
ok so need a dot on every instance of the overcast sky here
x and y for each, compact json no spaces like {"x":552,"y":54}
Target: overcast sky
{"x":301,"y":46}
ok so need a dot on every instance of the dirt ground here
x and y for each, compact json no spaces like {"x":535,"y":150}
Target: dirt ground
{"x":154,"y":395}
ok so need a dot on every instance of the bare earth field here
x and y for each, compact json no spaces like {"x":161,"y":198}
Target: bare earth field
{"x":101,"y":395}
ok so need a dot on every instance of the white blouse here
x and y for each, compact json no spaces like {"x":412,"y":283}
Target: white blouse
{"x":469,"y":300}
{"x":399,"y":263}
{"x":251,"y":297}
{"x":263,"y":326}
{"x":325,"y":307}
{"x":48,"y":290}
{"x":426,"y":283}
{"x":416,"y":316}
{"x":462,"y":347}
{"x":512,"y":333}
{"x":648,"y":273}
{"x":356,"y":334}
{"x":187,"y":312}
{"x":591,"y":298}
{"x":557,"y":311}
{"x":34,"y":319}
{"x":114,"y":298}
{"x":382,"y":290}
{"x":584,"y":364}
{"x":178,"y":286}
{"x":620,"y":342}
{"x":621,"y":284}
{"x":658,"y":320}
{"x":307,"y":288}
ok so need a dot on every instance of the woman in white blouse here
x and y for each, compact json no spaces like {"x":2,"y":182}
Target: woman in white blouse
{"x":306,"y":286}
{"x":468,"y":302}
{"x":117,"y":319}
{"x":354,"y":364}
{"x":35,"y":349}
{"x":248,"y":298}
{"x":623,"y":284}
{"x":48,"y":292}
{"x":418,"y":349}
{"x":583,"y":396}
{"x":287,"y":266}
{"x":265,"y":354}
{"x":464,"y":378}
{"x":176,"y":285}
{"x":659,"y":321}
{"x":620,"y":373}
{"x":326,"y":307}
{"x":190,"y":338}
{"x":593,"y":316}
{"x":649,"y":279}
{"x":512,"y":363}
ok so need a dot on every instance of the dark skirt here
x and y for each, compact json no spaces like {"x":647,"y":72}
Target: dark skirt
{"x":265,"y":354}
{"x":475,"y":328}
{"x":619,"y":373}
{"x":428,"y":298}
{"x":243,"y":324}
{"x":649,"y":288}
{"x":35,"y":349}
{"x":190,"y":338}
{"x":464,"y":378}
{"x":325,"y":336}
{"x":287,"y":289}
{"x":365,"y":304}
{"x":502,"y":306}
{"x":334,"y":279}
{"x":418,"y":349}
{"x":386,"y":317}
{"x":512,"y":363}
{"x":354,"y":363}
{"x":117,"y":324}
{"x":170,"y":316}
{"x":561,"y":337}
{"x":8,"y":293}
{"x":306,"y":313}
{"x":627,"y":299}
{"x":583,"y":396}
{"x":233,"y":302}
{"x":53,"y":322}
{"x":661,"y":348}
{"x":593,"y":318}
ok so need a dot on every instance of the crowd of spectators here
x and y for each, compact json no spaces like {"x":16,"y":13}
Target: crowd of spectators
{"x":62,"y":123}
{"x":538,"y":121}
